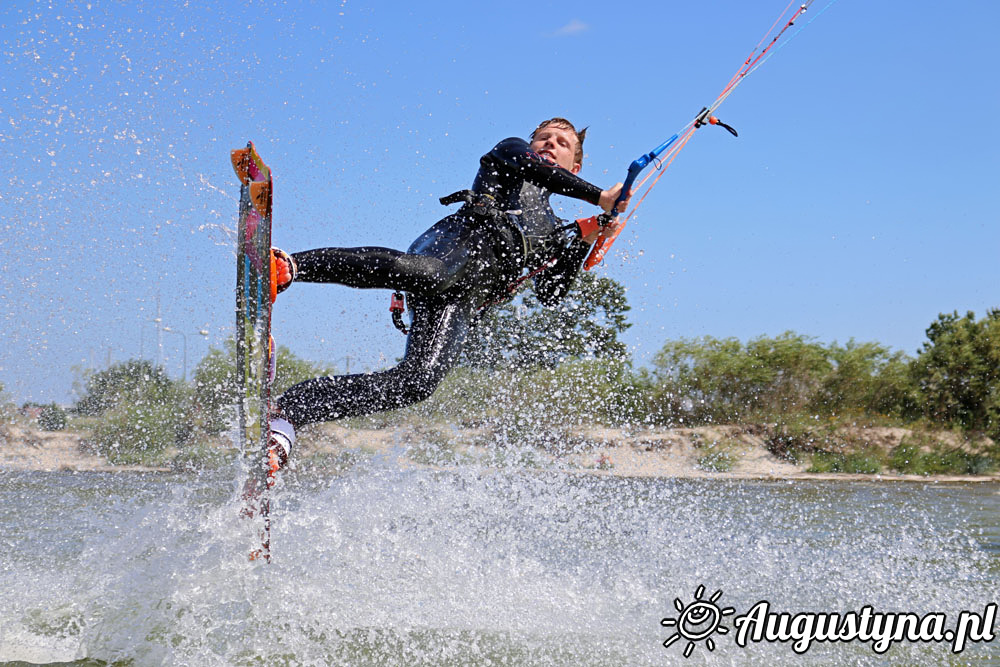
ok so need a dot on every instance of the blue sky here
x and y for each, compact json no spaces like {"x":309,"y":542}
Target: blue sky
{"x":860,"y":199}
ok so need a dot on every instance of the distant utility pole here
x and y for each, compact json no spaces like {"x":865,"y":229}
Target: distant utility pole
{"x":159,"y":335}
{"x":203,"y":332}
{"x":347,"y":363}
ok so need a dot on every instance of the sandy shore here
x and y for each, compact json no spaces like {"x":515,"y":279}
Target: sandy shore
{"x":655,"y":452}
{"x":27,"y":448}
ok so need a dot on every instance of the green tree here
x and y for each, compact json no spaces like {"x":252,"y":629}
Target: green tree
{"x":585,"y":324}
{"x":796,"y":367}
{"x":867,"y":378}
{"x":140,"y":432}
{"x":123,"y":381}
{"x":52,"y":418}
{"x":724,"y":380}
{"x":291,"y":369}
{"x":142,"y":411}
{"x":711,"y":379}
{"x":704,"y":378}
{"x":576,"y":393}
{"x":216,"y":388}
{"x":6,"y":406}
{"x":958,"y":371}
{"x":7,"y":411}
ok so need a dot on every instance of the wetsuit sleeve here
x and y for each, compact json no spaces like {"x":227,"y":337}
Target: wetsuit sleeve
{"x":514,"y":152}
{"x":552,"y":284}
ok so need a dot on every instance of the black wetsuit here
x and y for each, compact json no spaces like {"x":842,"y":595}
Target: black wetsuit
{"x":462,"y":262}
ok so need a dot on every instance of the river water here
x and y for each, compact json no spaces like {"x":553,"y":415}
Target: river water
{"x":387,"y":564}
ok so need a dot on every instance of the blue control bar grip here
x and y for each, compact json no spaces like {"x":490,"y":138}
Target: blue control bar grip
{"x":637,"y":166}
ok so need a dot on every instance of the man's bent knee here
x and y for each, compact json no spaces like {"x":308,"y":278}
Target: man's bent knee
{"x":418,"y":385}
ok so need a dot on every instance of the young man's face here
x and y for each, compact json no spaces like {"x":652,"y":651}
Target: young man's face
{"x":557,"y":144}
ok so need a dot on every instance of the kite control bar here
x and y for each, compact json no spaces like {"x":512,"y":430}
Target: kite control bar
{"x":610,"y":224}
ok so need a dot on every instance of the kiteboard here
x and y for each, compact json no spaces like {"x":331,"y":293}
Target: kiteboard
{"x":255,"y":293}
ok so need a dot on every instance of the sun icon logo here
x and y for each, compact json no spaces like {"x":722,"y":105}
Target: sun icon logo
{"x":698,"y":620}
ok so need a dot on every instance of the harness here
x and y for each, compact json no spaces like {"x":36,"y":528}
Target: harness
{"x":484,"y":209}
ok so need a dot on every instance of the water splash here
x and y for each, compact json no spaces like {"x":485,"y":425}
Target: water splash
{"x":395,"y":565}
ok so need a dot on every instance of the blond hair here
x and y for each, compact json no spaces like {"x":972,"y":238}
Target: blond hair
{"x":562,"y":122}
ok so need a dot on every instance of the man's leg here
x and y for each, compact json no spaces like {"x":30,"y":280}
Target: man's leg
{"x":378,"y":268}
{"x":434,"y":345}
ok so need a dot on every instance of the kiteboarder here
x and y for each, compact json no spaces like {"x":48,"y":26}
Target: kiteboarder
{"x":505,"y":229}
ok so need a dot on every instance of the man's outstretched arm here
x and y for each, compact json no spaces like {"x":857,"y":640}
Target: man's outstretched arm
{"x":516,"y":154}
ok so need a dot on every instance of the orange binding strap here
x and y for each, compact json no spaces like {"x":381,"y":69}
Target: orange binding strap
{"x":274,"y":277}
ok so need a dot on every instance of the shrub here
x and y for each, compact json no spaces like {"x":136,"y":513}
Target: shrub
{"x":140,"y":412}
{"x":138,"y":433}
{"x":866,"y":379}
{"x":919,"y":455}
{"x":865,"y":462}
{"x":768,"y":379}
{"x":723,"y":380}
{"x":956,"y":371}
{"x":7,"y":412}
{"x":216,"y":388}
{"x":52,"y":418}
{"x":201,"y":456}
{"x":575,"y":393}
{"x":717,"y":461}
{"x":790,"y":438}
{"x":122,"y":383}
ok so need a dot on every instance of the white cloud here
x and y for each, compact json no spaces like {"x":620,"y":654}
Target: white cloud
{"x":573,"y":27}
